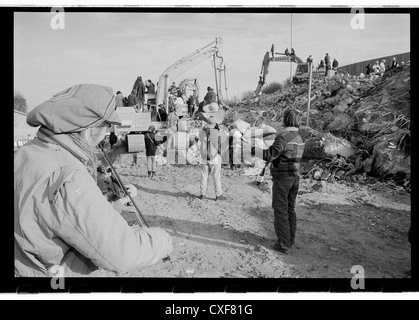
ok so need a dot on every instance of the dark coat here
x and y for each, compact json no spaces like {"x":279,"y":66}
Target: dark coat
{"x":150,"y":144}
{"x":132,"y":100}
{"x":151,"y":88}
{"x":210,"y":97}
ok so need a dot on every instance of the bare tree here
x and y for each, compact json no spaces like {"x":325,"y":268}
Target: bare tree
{"x":20,"y":102}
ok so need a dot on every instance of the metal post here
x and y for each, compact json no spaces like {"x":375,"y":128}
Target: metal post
{"x":309,"y":94}
{"x":216,"y":82}
{"x":220,"y":82}
{"x":225,"y":82}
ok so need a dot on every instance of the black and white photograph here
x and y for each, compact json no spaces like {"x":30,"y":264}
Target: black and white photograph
{"x":212,"y":143}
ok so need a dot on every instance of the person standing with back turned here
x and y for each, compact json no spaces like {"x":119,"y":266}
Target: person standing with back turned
{"x":285,"y":155}
{"x":150,"y":150}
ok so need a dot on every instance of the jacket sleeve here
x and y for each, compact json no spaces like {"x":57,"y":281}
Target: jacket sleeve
{"x":275,"y":150}
{"x":88,"y":223}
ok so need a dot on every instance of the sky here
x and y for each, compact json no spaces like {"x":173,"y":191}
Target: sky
{"x":113,"y":48}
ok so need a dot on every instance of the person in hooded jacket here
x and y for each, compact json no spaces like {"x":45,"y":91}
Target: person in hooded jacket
{"x":62,"y":220}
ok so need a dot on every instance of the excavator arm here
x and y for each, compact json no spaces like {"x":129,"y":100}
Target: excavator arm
{"x":267,"y":59}
{"x":183,"y":65}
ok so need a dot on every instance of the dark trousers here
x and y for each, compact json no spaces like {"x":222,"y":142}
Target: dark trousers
{"x":284,"y":194}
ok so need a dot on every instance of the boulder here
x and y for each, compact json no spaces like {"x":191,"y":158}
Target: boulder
{"x":327,"y":117}
{"x":371,"y":127}
{"x":367,"y":164}
{"x":211,"y":107}
{"x":334,"y":146}
{"x":340,"y":122}
{"x":241,"y":125}
{"x":212,"y":117}
{"x":388,"y":159}
{"x":333,"y":100}
{"x":340,"y":108}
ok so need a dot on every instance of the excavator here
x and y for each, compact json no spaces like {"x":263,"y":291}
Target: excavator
{"x":211,"y":50}
{"x":135,"y":124}
{"x":301,"y":73}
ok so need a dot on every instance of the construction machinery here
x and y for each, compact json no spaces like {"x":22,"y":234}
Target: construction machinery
{"x":301,"y":74}
{"x":211,"y":50}
{"x":135,"y":124}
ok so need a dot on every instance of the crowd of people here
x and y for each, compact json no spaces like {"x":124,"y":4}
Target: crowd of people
{"x":136,"y":98}
{"x":378,"y":68}
{"x":70,"y":213}
{"x":326,"y":64}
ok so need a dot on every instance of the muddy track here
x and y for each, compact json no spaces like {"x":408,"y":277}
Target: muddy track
{"x":339,"y":226}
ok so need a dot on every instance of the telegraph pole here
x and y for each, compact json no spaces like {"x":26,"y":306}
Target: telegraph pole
{"x":309,"y":93}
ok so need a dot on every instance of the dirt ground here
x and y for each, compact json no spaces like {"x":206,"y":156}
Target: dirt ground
{"x":340,"y":225}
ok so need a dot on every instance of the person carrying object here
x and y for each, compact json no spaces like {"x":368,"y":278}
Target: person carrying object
{"x":61,"y":216}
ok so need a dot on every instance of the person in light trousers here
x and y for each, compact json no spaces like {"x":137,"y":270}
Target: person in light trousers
{"x":212,"y":143}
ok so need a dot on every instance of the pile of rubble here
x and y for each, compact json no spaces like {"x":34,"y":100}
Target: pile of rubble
{"x":359,"y":127}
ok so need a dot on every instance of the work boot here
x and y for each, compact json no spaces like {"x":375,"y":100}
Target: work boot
{"x":220,"y":197}
{"x":149,"y":174}
{"x":152,"y":174}
{"x":282,"y":249}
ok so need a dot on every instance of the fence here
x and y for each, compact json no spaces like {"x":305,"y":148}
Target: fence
{"x":359,"y":67}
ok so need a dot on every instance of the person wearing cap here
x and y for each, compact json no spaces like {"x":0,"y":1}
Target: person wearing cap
{"x":327,"y":63}
{"x":150,"y":150}
{"x":285,"y":156}
{"x":210,"y":96}
{"x":213,"y":145}
{"x":61,"y":217}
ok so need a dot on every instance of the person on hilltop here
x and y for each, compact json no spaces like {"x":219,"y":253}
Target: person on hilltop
{"x":369,"y":69}
{"x":327,"y":63}
{"x":210,"y":97}
{"x":382,"y":67}
{"x":335,"y":65}
{"x":61,"y":217}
